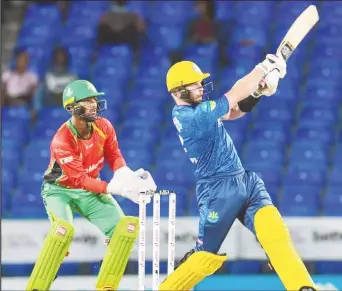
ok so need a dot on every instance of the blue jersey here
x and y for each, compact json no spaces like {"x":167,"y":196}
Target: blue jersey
{"x":205,"y":140}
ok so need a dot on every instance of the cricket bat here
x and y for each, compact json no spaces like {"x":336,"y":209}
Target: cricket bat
{"x":296,"y":33}
{"x":298,"y":30}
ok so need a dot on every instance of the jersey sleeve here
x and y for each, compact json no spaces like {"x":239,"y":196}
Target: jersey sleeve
{"x":70,"y":161}
{"x":207,"y":113}
{"x":112,"y":152}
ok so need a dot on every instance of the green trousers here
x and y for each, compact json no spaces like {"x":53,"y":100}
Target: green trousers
{"x":102,"y":210}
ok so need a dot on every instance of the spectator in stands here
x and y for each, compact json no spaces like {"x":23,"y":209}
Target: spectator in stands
{"x":51,"y":90}
{"x":19,"y":84}
{"x":120,"y":26}
{"x":202,"y":29}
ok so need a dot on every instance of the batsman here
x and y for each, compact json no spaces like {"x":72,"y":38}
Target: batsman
{"x":224,"y":189}
{"x":72,"y":184}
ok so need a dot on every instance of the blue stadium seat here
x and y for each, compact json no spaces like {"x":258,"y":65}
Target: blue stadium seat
{"x":15,"y":113}
{"x":323,"y":134}
{"x":137,"y":158}
{"x":277,"y":114}
{"x":225,"y":11}
{"x":277,"y":132}
{"x":54,"y":115}
{"x":122,"y":52}
{"x":303,"y":157}
{"x":313,"y":115}
{"x":140,"y":7}
{"x":153,"y":55}
{"x":170,"y":12}
{"x":334,"y":177}
{"x":7,"y":179}
{"x":31,"y":181}
{"x":116,"y":70}
{"x":271,"y":155}
{"x":152,"y":92}
{"x":332,"y":203}
{"x":247,"y":11}
{"x":16,"y":131}
{"x":318,"y":90}
{"x":6,"y":200}
{"x":305,"y":177}
{"x":337,"y":156}
{"x":11,"y":156}
{"x":248,"y":32}
{"x":173,"y":157}
{"x":169,"y":37}
{"x":324,"y":73}
{"x":297,"y":204}
{"x":202,"y":50}
{"x":173,"y":176}
{"x":269,"y":175}
{"x":49,"y":14}
{"x":78,"y":34}
{"x":27,"y":204}
{"x":327,"y":51}
{"x":152,"y":72}
{"x":252,"y":52}
{"x":36,"y":159}
{"x":45,"y":130}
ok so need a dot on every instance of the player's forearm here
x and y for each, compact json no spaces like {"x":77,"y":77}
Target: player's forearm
{"x":116,"y":162}
{"x":244,"y":87}
{"x":90,"y":184}
{"x":234,"y":113}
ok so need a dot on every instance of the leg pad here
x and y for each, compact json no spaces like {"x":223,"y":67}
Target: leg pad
{"x":275,"y":239}
{"x":56,"y":246}
{"x":198,"y":266}
{"x":118,"y":253}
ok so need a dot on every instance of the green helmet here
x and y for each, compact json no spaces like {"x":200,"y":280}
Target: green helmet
{"x":79,"y":90}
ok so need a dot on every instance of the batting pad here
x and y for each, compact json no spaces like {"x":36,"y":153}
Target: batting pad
{"x":117,"y":254}
{"x":198,"y":266}
{"x":56,"y":246}
{"x":275,"y":239}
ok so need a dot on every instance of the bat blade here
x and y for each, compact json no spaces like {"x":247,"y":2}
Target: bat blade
{"x":298,"y":30}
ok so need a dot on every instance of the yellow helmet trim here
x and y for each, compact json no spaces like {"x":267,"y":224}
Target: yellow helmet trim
{"x":69,"y":101}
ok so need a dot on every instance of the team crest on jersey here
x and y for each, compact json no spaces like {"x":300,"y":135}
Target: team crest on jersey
{"x":213,"y":216}
{"x":212,"y":105}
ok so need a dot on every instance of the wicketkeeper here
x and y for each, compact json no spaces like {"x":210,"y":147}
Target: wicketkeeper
{"x":71,"y":184}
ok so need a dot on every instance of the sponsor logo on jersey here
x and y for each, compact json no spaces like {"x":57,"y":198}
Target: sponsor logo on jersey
{"x":94,"y":166}
{"x":59,"y":151}
{"x":88,"y":146}
{"x":66,"y":160}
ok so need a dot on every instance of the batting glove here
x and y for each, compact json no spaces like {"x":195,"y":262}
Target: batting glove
{"x":273,"y":62}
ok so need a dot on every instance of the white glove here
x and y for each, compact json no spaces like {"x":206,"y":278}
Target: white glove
{"x":269,"y":84}
{"x":122,"y":177}
{"x":146,"y":186}
{"x":129,"y":184}
{"x":273,"y":62}
{"x":141,"y":173}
